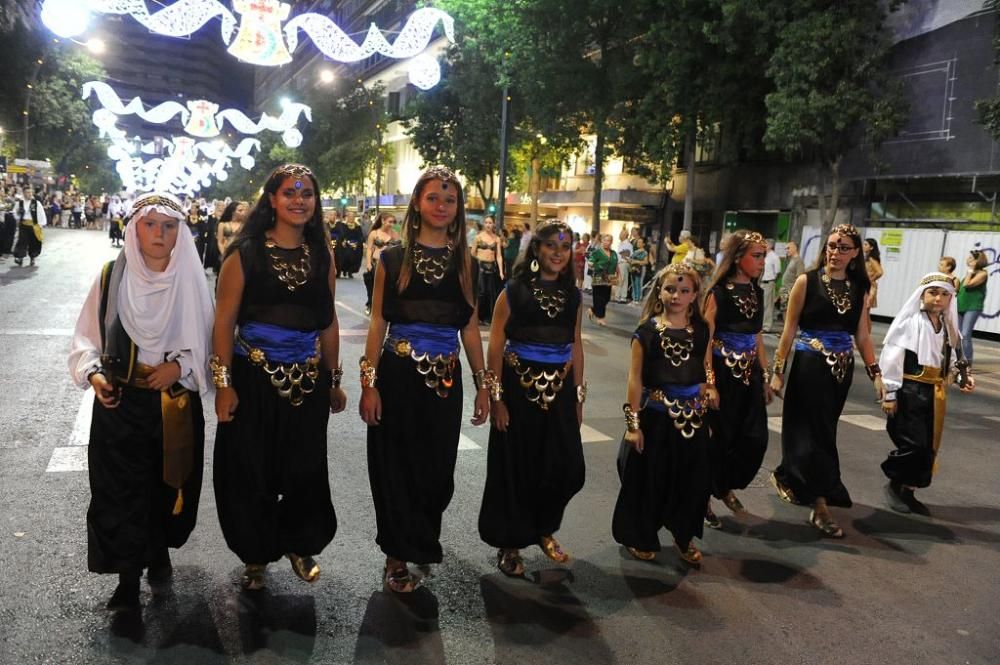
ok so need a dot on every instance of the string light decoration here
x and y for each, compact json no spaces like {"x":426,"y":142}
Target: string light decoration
{"x":183,"y":164}
{"x":260,"y":38}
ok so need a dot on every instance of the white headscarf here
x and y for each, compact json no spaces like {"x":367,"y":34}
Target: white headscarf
{"x":171,"y":310}
{"x":907,"y":330}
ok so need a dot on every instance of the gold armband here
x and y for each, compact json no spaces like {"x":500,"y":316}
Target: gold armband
{"x":581,"y":393}
{"x":338,"y":374}
{"x":492,"y":383}
{"x":631,"y":418}
{"x":709,"y":376}
{"x":779,"y":364}
{"x":479,"y":378}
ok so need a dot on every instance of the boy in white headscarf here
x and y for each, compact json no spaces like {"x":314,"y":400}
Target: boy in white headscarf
{"x":142,"y":343}
{"x":920,"y":354}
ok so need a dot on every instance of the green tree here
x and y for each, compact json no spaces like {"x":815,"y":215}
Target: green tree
{"x":828,"y":100}
{"x":988,"y":110}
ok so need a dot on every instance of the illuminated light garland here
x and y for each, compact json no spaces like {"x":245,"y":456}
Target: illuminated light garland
{"x":424,"y":71}
{"x":260,"y":38}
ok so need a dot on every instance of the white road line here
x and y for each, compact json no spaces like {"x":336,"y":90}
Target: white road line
{"x":867,"y":421}
{"x":341,"y":305}
{"x":774,"y":424}
{"x":68,"y":458}
{"x":993,"y":418}
{"x":590,"y":435}
{"x":80,"y":436}
{"x":465,"y":443}
{"x":40,"y":332}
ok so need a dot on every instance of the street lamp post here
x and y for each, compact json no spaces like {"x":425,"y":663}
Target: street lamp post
{"x":502,"y":189}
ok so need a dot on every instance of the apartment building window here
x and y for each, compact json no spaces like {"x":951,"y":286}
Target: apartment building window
{"x":392,"y":105}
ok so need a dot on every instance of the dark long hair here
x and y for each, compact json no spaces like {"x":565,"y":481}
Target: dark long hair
{"x":456,"y":232}
{"x":876,"y":253}
{"x":856,"y":267}
{"x":261,"y":218}
{"x":521,"y":271}
{"x":736,"y":247}
{"x":230,"y":211}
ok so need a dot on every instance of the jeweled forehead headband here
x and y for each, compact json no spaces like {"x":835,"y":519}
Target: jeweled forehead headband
{"x":935,"y":277}
{"x":753,"y":238}
{"x":846,"y":230}
{"x":156,"y":200}
{"x":294,"y":170}
{"x":678,"y":269}
{"x":561,"y":227}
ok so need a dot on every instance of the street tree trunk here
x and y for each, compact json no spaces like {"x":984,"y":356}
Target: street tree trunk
{"x":828,"y":214}
{"x":595,"y":224}
{"x":535,"y":186}
{"x":691,"y":143}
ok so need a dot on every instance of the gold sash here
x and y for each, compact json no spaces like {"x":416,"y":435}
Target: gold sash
{"x":935,"y":377}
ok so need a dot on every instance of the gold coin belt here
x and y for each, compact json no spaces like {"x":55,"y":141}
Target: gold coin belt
{"x":292,"y":275}
{"x":540,"y":386}
{"x":293,"y":380}
{"x":431,"y":268}
{"x":437,"y":370}
{"x":839,"y":361}
{"x":840,"y":299}
{"x":551,"y":303}
{"x":740,"y":363}
{"x":747,"y":304}
{"x":686,"y":414}
{"x":676,"y":351}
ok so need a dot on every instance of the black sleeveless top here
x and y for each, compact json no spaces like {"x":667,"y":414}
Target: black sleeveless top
{"x":819,"y":313}
{"x":728,"y":315}
{"x":657,"y":368}
{"x":266,"y":299}
{"x":443,"y":303}
{"x":530,"y":322}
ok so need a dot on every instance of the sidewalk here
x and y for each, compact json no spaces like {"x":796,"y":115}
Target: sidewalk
{"x":623,"y":320}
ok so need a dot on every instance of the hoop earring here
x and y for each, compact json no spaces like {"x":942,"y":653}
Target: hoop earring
{"x":534,"y":265}
{"x":416,"y":223}
{"x":658,"y":307}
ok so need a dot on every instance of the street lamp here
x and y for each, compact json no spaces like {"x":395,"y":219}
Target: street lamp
{"x":326,"y":76}
{"x":285,"y":101}
{"x":95,"y":45}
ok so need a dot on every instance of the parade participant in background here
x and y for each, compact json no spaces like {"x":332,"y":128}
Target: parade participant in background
{"x":827,"y":306}
{"x":947,"y":265}
{"x":411,"y":376}
{"x":196,"y":224}
{"x":920,"y":353}
{"x":768,"y":280}
{"x":795,"y":267}
{"x":663,"y":462}
{"x":31,"y":218}
{"x":604,"y":266}
{"x":142,"y":342}
{"x":535,"y":463}
{"x":971,"y":297}
{"x":116,"y":224}
{"x":734,"y":309}
{"x":382,"y":235}
{"x":511,"y":251}
{"x":228,"y":226}
{"x":213,"y":257}
{"x":277,"y":380}
{"x":486,"y":252}
{"x":580,"y":258}
{"x":9,"y":228}
{"x":350,"y":245}
{"x":873,"y":265}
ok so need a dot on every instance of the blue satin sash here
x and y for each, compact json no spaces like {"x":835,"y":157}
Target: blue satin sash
{"x":676,"y":391}
{"x":735,"y":342}
{"x":552,"y":354}
{"x":279,"y":344}
{"x":834,"y":341}
{"x":430,"y":338}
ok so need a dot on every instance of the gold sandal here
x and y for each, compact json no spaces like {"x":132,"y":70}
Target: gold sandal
{"x":784,"y":492}
{"x":734,"y":504}
{"x":690,"y":554}
{"x":826,"y":525}
{"x":641,"y":555}
{"x":398,"y":578}
{"x":510,"y":563}
{"x":553,"y":549}
{"x":305,"y":567}
{"x":253,"y":576}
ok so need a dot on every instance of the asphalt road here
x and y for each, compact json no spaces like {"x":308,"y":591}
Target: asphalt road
{"x":898,"y":589}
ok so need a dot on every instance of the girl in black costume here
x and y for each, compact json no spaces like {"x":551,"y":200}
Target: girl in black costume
{"x":277,"y":380}
{"x":663,"y":463}
{"x":828,"y":307}
{"x":535,"y":463}
{"x":411,"y":377}
{"x":734,"y":307}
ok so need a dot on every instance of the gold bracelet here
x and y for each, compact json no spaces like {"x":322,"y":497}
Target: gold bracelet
{"x":581,"y":393}
{"x":220,"y":373}
{"x":492,"y":382}
{"x":479,"y":378}
{"x":709,"y":376}
{"x":368,"y":375}
{"x":338,"y":374}
{"x":767,"y":374}
{"x":779,"y":364}
{"x":631,"y":418}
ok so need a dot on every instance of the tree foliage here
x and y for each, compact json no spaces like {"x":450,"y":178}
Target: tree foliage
{"x":988,"y":110}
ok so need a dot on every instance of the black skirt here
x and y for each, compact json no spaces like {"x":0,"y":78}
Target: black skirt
{"x":739,"y":429}
{"x":489,"y":289}
{"x":411,"y":459}
{"x":533,"y":469}
{"x":348,"y":258}
{"x":666,"y":486}
{"x":912,"y":432}
{"x":272,"y":488}
{"x":810,"y":463}
{"x":130,"y":519}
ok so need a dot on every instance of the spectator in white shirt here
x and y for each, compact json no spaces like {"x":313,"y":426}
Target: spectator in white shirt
{"x":624,"y":250}
{"x":772,"y":267}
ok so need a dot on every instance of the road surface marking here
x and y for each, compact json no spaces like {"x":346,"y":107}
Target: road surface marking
{"x":350,"y":309}
{"x":80,"y":436}
{"x":590,"y":435}
{"x":867,"y":421}
{"x":774,"y":424}
{"x":993,"y":418}
{"x":465,"y":443}
{"x":41,"y":332}
{"x":68,"y":458}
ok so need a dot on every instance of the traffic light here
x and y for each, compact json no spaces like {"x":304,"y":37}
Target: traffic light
{"x":492,"y":208}
{"x":343,"y":200}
